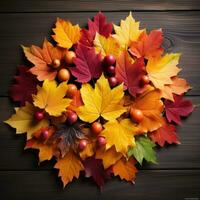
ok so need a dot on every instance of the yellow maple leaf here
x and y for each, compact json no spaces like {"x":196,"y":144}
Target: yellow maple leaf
{"x":125,"y":169}
{"x":66,"y":34}
{"x":128,"y":31}
{"x":51,"y":98}
{"x":160,"y":70}
{"x":120,"y":135}
{"x":100,"y":101}
{"x":69,"y":167}
{"x":109,"y":157}
{"x":45,"y":150}
{"x":24,"y":121}
{"x":106,"y":46}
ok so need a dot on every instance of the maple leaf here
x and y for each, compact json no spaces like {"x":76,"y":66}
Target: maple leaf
{"x":94,"y":168}
{"x":24,"y":121}
{"x":178,"y":86}
{"x":66,"y":137}
{"x":120,"y":135}
{"x":45,"y":150}
{"x":43,"y":59}
{"x":160,"y":70}
{"x":130,"y":73}
{"x":127,"y":32}
{"x":148,"y":45}
{"x":125,"y":169}
{"x":76,"y":101}
{"x":50,"y":97}
{"x":66,"y":34}
{"x":24,"y":87}
{"x":151,"y":105}
{"x":69,"y":167}
{"x":87,"y":37}
{"x":143,"y":150}
{"x":100,"y":25}
{"x":106,"y":46}
{"x":108,"y":157}
{"x":100,"y":101}
{"x":88,"y":64}
{"x":166,"y":133}
{"x":179,"y":108}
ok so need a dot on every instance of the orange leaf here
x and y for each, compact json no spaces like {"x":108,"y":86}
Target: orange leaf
{"x":109,"y":157}
{"x":151,"y":106}
{"x":66,"y":34}
{"x":76,"y":101}
{"x":69,"y":167}
{"x":125,"y":169}
{"x":42,"y":58}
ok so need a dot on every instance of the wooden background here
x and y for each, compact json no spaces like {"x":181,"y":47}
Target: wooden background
{"x":28,"y":22}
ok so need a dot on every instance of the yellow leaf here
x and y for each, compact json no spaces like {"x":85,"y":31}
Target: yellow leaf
{"x":109,"y":157}
{"x":125,"y":169}
{"x":100,"y":101}
{"x":24,"y":121}
{"x":51,"y":98}
{"x":106,"y":46}
{"x":120,"y":134}
{"x":88,"y":151}
{"x":160,"y":70}
{"x":69,"y":167}
{"x":66,"y":34}
{"x":127,"y":32}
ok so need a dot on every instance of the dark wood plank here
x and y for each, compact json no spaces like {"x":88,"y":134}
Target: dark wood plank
{"x":181,"y":35}
{"x":154,"y":185}
{"x":186,"y":155}
{"x":94,"y":5}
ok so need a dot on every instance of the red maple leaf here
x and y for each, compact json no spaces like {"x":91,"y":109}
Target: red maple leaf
{"x":166,"y":133}
{"x":148,"y":45}
{"x":87,"y":38}
{"x":130,"y":73}
{"x":94,"y":168}
{"x":24,"y":87}
{"x":180,"y":107}
{"x":88,"y":64}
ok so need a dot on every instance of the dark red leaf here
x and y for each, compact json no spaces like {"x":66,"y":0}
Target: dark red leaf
{"x":180,"y":107}
{"x":88,"y":64}
{"x":166,"y":133}
{"x":87,"y":38}
{"x":24,"y":87}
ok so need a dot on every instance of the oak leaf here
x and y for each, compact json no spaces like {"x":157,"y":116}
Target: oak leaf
{"x":50,"y":97}
{"x":42,"y":58}
{"x":66,"y":34}
{"x":69,"y":167}
{"x":100,"y":101}
{"x":125,"y":169}
{"x":24,"y":121}
{"x":120,"y":135}
{"x":127,"y":32}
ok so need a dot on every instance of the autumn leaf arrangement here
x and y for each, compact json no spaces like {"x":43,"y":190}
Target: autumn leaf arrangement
{"x":99,"y":100}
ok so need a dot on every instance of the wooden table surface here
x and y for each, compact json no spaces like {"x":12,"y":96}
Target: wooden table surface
{"x":28,"y":22}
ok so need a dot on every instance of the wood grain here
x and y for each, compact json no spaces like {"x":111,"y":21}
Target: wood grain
{"x":150,"y":184}
{"x":183,"y":156}
{"x":94,"y":5}
{"x":181,"y":35}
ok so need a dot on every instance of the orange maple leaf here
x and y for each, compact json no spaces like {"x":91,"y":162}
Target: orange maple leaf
{"x":43,"y":59}
{"x":125,"y":169}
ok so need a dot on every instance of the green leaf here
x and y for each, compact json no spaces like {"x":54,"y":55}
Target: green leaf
{"x":143,"y":150}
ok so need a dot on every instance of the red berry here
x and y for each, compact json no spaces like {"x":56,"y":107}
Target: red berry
{"x":111,"y":70}
{"x":136,"y":115}
{"x":112,"y":81}
{"x":39,"y":115}
{"x":56,"y":63}
{"x":82,"y":144}
{"x":110,"y":60}
{"x":71,"y":117}
{"x":71,"y":91}
{"x":145,"y":80}
{"x":101,"y":141}
{"x":96,"y":128}
{"x":45,"y":134}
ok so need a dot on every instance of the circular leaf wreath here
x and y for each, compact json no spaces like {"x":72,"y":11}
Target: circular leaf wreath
{"x":98,"y":102}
